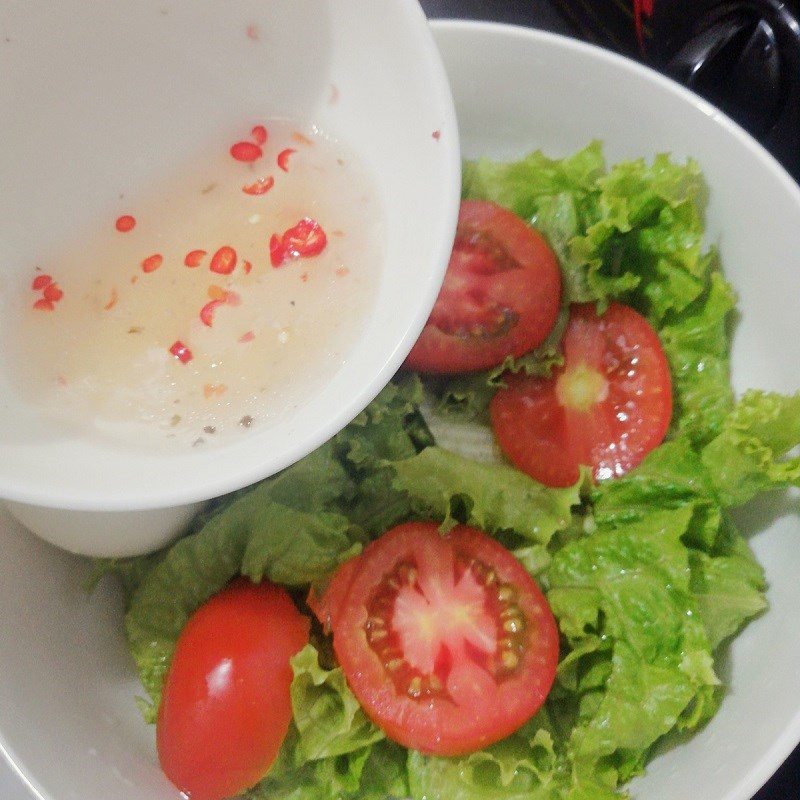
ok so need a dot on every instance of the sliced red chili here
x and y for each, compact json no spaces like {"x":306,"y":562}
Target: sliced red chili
{"x":261,"y":186}
{"x":277,"y":251}
{"x":304,"y":240}
{"x":223,"y":262}
{"x":259,"y":134}
{"x":207,"y":311}
{"x":247,"y":266}
{"x":40,"y":281}
{"x":125,"y":223}
{"x":44,"y":305}
{"x":283,"y":158}
{"x":246,"y":151}
{"x":52,"y":292}
{"x":152,"y":263}
{"x":181,"y":352}
{"x":194,"y":257}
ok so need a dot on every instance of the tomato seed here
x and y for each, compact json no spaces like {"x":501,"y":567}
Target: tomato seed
{"x":246,"y":151}
{"x":152,"y":263}
{"x":125,"y":223}
{"x":509,"y":660}
{"x":223,"y":261}
{"x":506,"y":593}
{"x":194,"y":257}
{"x":415,"y":687}
{"x":40,"y":281}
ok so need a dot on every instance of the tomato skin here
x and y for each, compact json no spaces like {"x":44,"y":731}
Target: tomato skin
{"x":475,"y":707}
{"x":619,"y":358}
{"x":225,"y":708}
{"x":500,"y":295}
{"x":327,"y":605}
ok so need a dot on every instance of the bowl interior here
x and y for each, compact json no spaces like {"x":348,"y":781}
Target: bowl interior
{"x":107,"y":99}
{"x":67,"y":714}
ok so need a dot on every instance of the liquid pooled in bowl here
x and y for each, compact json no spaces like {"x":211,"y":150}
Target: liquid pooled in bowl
{"x":216,"y":303}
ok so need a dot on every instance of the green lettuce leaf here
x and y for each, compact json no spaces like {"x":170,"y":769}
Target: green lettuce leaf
{"x":328,"y":718}
{"x":750,"y":453}
{"x":493,"y":497}
{"x":375,"y":772}
{"x":696,"y":344}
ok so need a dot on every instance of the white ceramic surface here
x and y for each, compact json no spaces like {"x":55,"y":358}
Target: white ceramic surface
{"x":99,"y":98}
{"x":67,"y":715}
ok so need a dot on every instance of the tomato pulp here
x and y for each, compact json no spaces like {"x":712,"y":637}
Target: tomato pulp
{"x":500,"y":296}
{"x":607,"y":407}
{"x":445,"y":640}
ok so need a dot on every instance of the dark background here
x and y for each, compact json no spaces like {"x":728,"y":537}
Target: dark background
{"x":785,"y":785}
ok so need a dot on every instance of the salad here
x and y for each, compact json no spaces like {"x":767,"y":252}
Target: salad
{"x":391,"y":618}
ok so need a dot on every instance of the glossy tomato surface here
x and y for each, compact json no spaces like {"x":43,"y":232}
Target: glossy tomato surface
{"x":226,"y":708}
{"x":607,"y":407}
{"x":500,"y":295}
{"x":446,"y":640}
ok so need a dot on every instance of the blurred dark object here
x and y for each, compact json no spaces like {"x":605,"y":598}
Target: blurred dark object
{"x":742,"y":55}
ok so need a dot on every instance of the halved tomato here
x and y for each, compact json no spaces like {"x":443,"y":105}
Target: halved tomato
{"x":226,"y":705}
{"x":500,"y":295}
{"x":607,"y":407}
{"x":445,"y":640}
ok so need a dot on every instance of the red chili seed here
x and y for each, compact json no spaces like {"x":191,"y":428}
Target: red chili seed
{"x":300,"y":139}
{"x":259,"y":134}
{"x":52,"y":292}
{"x":304,"y":240}
{"x":246,"y":151}
{"x":247,"y":337}
{"x":247,"y":266}
{"x":194,"y":257}
{"x":181,"y":352}
{"x":283,"y":158}
{"x":152,"y":263}
{"x":437,"y":135}
{"x":44,"y":305}
{"x":207,"y":311}
{"x":304,"y":277}
{"x":223,"y":262}
{"x":261,"y":186}
{"x":40,"y":281}
{"x":125,"y":223}
{"x":277,"y":251}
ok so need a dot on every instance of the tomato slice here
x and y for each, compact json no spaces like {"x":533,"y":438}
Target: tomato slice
{"x":445,"y":640}
{"x":226,"y":707}
{"x":500,"y":294}
{"x":607,"y":407}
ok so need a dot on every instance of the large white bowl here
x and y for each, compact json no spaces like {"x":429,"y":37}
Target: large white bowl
{"x":98,"y":98}
{"x":67,"y":714}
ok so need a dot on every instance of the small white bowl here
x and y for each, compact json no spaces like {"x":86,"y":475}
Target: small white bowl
{"x":93,"y":91}
{"x":68,"y":719}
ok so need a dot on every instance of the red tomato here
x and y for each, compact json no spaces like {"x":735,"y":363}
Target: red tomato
{"x":446,"y":641}
{"x":607,"y":407}
{"x":327,"y":605}
{"x":500,"y":295}
{"x":226,"y":708}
